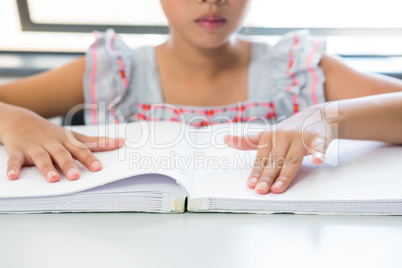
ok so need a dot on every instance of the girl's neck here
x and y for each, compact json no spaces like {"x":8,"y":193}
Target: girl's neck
{"x":205,"y":62}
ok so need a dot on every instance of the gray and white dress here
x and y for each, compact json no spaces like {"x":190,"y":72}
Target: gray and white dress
{"x":122,"y":84}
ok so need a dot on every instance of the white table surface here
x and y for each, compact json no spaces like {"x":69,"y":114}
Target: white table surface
{"x":198,"y":240}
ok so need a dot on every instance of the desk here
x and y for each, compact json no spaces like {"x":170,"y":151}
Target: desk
{"x":199,"y":240}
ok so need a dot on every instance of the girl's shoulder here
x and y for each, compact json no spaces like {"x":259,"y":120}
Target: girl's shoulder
{"x":113,"y":70}
{"x":297,"y":50}
{"x":287,"y":71}
{"x":110,"y":45}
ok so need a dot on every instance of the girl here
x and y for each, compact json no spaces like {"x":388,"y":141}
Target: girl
{"x":203,"y":68}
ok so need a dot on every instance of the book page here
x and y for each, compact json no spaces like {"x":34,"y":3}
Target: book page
{"x":353,"y":170}
{"x":151,"y":148}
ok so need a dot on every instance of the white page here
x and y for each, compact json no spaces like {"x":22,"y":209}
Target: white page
{"x":366,"y":170}
{"x":141,"y":147}
{"x":144,"y":183}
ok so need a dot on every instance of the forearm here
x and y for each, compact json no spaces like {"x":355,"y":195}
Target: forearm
{"x":49,"y":94}
{"x":376,"y":117}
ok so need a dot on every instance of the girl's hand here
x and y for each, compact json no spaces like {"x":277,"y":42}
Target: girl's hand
{"x":281,"y":149}
{"x":32,"y":140}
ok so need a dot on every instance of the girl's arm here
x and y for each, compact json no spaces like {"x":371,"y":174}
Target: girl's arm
{"x":29,"y":139}
{"x":359,"y":114}
{"x":370,"y":118}
{"x":343,"y":82}
{"x":281,"y":150}
{"x":49,"y":94}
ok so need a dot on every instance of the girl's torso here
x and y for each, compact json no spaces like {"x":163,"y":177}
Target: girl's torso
{"x":211,"y":84}
{"x":278,"y":81}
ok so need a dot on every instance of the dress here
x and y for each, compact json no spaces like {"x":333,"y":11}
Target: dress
{"x":122,"y":84}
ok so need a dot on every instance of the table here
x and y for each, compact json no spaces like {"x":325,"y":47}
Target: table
{"x":199,"y":240}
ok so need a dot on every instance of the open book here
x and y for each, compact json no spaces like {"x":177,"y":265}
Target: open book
{"x":171,"y":167}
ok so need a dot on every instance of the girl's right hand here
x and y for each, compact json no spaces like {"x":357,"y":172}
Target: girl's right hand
{"x":32,"y":140}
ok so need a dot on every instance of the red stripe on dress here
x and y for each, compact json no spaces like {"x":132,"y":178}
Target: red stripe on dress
{"x":144,"y":108}
{"x":293,"y":75}
{"x":313,"y":72}
{"x":122,"y":69}
{"x":92,"y":80}
{"x":272,"y":112}
{"x":122,"y":74}
{"x":207,"y":111}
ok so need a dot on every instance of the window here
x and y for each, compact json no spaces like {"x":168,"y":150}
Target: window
{"x":343,"y":17}
{"x":368,"y":27}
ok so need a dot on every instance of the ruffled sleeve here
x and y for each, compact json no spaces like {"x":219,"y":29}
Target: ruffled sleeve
{"x":296,"y":78}
{"x":109,"y":66}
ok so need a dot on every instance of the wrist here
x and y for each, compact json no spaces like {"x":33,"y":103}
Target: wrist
{"x":340,"y":118}
{"x":331,"y":116}
{"x":10,"y":118}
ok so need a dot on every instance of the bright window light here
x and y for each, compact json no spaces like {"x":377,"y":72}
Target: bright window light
{"x":263,"y":13}
{"x":340,"y":14}
{"x":112,"y":12}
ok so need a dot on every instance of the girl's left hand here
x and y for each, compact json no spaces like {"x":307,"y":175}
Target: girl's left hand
{"x":281,"y":148}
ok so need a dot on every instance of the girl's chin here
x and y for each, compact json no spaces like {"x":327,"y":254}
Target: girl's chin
{"x":211,"y":42}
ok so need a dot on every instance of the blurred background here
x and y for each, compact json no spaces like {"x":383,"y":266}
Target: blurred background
{"x":40,"y":34}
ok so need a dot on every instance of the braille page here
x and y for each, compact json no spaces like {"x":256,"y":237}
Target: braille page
{"x":148,"y":149}
{"x":354,"y":170}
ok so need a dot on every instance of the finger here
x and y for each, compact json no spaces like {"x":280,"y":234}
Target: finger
{"x":318,"y":147}
{"x":260,"y":162}
{"x":275,"y":161}
{"x":65,"y":161}
{"x":14,"y":165}
{"x":292,"y":164}
{"x":41,"y":158}
{"x":84,"y":156}
{"x":263,"y":184}
{"x":98,"y":144}
{"x":244,"y":143}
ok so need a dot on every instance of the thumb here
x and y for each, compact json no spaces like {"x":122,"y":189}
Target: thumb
{"x":318,"y":148}
{"x":98,"y":144}
{"x":244,"y":143}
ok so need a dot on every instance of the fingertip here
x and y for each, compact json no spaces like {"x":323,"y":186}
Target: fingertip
{"x":261,"y":191}
{"x":14,"y":165}
{"x":106,"y":144}
{"x":228,"y":139}
{"x":73,"y":174}
{"x":52,"y":176}
{"x":317,"y":162}
{"x":52,"y":180}
{"x":276,"y":190}
{"x":96,"y":166}
{"x":262,"y":188}
{"x":12,"y":175}
{"x":251,"y":186}
{"x":318,"y":158}
{"x":251,"y":183}
{"x":278,"y":187}
{"x":121,"y":142}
